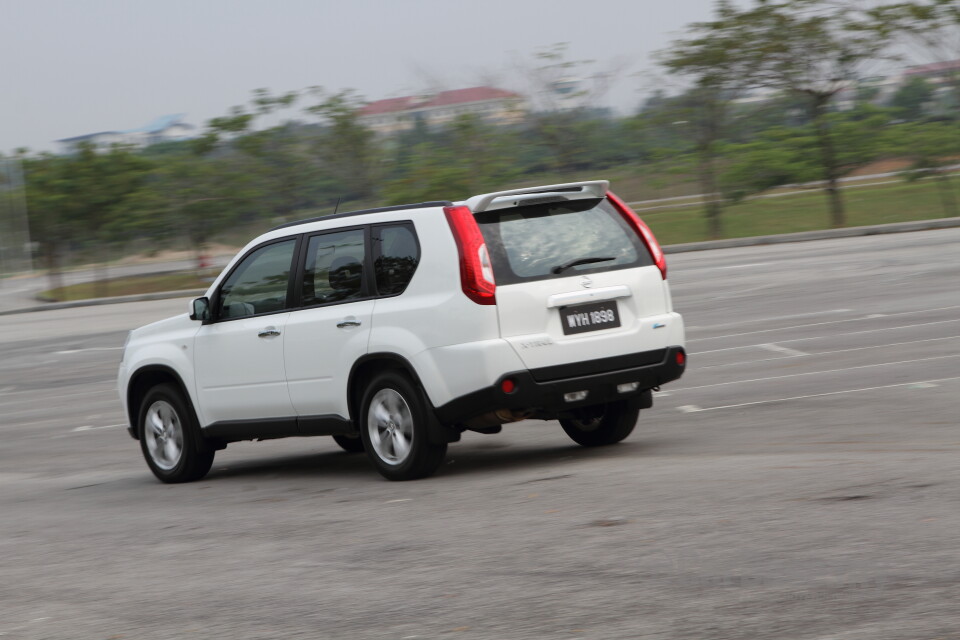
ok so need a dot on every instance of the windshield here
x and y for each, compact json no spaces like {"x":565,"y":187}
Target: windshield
{"x":559,"y":239}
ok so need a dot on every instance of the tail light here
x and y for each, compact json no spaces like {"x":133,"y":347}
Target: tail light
{"x":476,"y":271}
{"x":643,"y":231}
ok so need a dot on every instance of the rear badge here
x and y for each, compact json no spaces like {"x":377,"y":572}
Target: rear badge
{"x":586,"y":282}
{"x":659,"y":325}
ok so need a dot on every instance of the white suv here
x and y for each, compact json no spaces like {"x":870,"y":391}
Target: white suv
{"x":394,"y":330}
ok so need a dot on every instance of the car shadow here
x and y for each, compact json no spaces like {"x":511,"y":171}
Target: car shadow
{"x":463,"y":458}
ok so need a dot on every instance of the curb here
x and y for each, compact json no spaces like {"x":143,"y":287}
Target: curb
{"x":808,"y":236}
{"x":802,"y":236}
{"x":96,"y":302}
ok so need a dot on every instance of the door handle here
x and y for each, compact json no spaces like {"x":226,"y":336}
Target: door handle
{"x":269,"y":332}
{"x":347,"y":323}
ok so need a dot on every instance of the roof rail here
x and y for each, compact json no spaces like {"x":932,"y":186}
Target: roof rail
{"x":399,"y":207}
{"x":590,"y":188}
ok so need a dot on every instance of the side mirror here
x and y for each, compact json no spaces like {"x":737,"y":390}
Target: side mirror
{"x":200,"y":309}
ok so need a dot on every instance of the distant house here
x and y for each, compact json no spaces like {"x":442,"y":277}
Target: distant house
{"x":163,"y":129}
{"x":392,"y":115}
{"x":937,"y":72}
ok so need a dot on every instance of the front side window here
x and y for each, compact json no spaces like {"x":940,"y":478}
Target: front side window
{"x":259,"y":283}
{"x":334,"y":268}
{"x":396,"y":256}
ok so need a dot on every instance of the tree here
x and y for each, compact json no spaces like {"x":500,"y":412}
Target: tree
{"x":50,"y":226}
{"x":347,"y":150}
{"x":710,"y":58}
{"x":100,"y":187}
{"x":932,"y":148}
{"x":813,"y":48}
{"x":83,"y":196}
{"x":563,"y":95}
{"x":931,"y":28}
{"x":912,"y":98}
{"x":193,"y":196}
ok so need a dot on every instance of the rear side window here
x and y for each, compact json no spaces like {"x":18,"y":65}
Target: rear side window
{"x":396,"y":255}
{"x":334,"y":268}
{"x":542,"y":241}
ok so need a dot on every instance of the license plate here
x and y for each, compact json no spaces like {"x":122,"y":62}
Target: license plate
{"x":590,"y":317}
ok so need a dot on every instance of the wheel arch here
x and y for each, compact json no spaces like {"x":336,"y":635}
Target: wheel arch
{"x":370,"y":365}
{"x":145,"y":379}
{"x":363,"y":371}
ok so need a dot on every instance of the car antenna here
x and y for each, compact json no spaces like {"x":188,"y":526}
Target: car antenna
{"x":337,"y":205}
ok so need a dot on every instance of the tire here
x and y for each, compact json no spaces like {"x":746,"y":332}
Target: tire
{"x":350,"y":444}
{"x":169,"y":437}
{"x":394,"y":425}
{"x":602,"y":424}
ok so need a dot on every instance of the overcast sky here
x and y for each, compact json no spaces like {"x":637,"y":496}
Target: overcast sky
{"x":72,"y":67}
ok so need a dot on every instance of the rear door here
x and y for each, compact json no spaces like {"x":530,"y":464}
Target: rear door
{"x":332,"y":329}
{"x":574,"y":281}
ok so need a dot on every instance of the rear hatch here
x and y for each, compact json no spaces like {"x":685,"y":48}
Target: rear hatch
{"x":575,"y":281}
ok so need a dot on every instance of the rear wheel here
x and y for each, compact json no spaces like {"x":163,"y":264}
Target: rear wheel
{"x":394,"y":422}
{"x":602,"y":424}
{"x":169,"y":437}
{"x":350,"y":444}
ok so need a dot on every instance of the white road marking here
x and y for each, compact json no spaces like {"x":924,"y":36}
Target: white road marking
{"x":814,"y":373}
{"x":398,"y":500}
{"x":823,"y":353}
{"x":793,"y":353}
{"x":89,"y":428}
{"x":743,"y":266}
{"x":819,"y":324}
{"x":689,"y":408}
{"x":68,"y":351}
{"x":33,"y":400}
{"x":765,"y":320}
{"x":931,"y":383}
{"x":833,"y":335}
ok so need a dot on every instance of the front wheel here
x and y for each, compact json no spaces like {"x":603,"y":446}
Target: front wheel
{"x":394,"y":419}
{"x":602,"y":424}
{"x":169,"y":437}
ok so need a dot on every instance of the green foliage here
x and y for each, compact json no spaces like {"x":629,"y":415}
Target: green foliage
{"x":347,"y":150}
{"x":779,"y":157}
{"x":911,"y":100}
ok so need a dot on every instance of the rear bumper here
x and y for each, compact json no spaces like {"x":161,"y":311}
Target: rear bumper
{"x":541,"y":391}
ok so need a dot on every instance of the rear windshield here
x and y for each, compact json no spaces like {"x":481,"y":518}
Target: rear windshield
{"x":541,"y":241}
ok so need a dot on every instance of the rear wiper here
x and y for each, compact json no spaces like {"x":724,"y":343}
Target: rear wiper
{"x":573,"y":263}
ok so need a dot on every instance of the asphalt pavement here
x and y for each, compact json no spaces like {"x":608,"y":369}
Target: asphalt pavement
{"x":800,"y":481}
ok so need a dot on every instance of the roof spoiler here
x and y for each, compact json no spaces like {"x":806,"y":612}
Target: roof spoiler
{"x":588,"y":189}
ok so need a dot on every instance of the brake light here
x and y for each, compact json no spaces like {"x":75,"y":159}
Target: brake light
{"x":476,"y":270}
{"x":643,"y":231}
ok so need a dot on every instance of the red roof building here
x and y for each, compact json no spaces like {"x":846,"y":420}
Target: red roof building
{"x":496,"y":106}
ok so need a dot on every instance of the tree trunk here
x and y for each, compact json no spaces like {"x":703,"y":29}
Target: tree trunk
{"x":708,"y":187}
{"x":51,"y":256}
{"x":947,"y":196}
{"x":100,"y":284}
{"x":828,"y":159}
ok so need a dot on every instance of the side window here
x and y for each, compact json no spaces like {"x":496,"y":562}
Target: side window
{"x":259,"y":283}
{"x":334,"y":268}
{"x":396,"y":258}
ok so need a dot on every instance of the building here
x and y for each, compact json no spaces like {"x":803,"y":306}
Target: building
{"x":163,"y":129}
{"x":393,"y":115}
